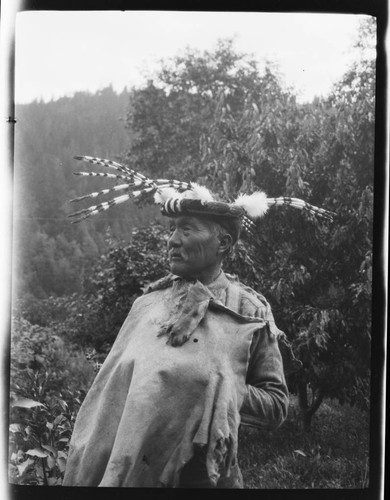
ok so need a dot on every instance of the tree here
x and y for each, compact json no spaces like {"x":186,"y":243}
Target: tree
{"x":167,"y":118}
{"x":50,"y":254}
{"x":319,"y":276}
{"x":342,"y":331}
{"x":256,"y":136}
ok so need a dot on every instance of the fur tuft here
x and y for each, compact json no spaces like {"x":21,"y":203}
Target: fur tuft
{"x":255,"y":205}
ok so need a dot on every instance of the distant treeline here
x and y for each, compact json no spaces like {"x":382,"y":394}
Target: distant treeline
{"x":50,"y":254}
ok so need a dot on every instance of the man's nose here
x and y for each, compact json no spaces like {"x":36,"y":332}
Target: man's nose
{"x":174,"y":240}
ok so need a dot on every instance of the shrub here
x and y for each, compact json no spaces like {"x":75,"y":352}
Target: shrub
{"x":94,"y":318}
{"x":41,"y":349}
{"x":49,"y":380}
{"x":40,"y":433}
{"x":334,"y":455}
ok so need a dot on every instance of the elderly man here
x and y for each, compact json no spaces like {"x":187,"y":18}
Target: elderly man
{"x":196,"y":357}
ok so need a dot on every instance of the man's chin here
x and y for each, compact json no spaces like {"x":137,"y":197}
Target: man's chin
{"x":179,"y":269}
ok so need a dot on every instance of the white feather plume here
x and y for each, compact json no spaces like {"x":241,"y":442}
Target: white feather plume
{"x":198,"y":193}
{"x":164,"y":194}
{"x":255,"y":205}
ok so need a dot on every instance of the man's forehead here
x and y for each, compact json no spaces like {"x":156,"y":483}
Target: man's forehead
{"x":189,"y":219}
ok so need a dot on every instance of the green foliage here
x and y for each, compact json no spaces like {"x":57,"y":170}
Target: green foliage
{"x":94,"y":318}
{"x":39,"y":436}
{"x":49,"y":380}
{"x":334,"y":455}
{"x":43,"y":349}
{"x":244,"y":263}
{"x":168,"y":117}
{"x":251,"y":139}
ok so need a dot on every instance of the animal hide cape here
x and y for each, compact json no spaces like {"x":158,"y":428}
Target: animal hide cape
{"x":155,"y":400}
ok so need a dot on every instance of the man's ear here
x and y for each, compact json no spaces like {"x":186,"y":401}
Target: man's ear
{"x":225,"y":244}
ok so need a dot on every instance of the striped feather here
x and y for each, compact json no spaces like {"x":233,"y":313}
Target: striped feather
{"x":179,"y":185}
{"x":142,"y":192}
{"x":95,"y":209}
{"x":87,"y":212}
{"x":112,"y":164}
{"x":248,"y":225}
{"x":301,"y":205}
{"x":135,"y":180}
{"x":103,"y":174}
{"x":102,"y":162}
{"x":170,"y":185}
{"x":120,"y":187}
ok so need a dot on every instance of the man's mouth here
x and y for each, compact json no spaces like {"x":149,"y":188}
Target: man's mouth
{"x":175,"y":256}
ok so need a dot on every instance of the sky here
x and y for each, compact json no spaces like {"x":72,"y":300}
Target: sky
{"x":59,"y":53}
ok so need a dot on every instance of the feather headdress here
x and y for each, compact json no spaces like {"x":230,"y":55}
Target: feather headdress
{"x":176,"y":197}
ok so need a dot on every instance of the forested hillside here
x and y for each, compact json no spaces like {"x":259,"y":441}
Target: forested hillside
{"x":51,"y":254}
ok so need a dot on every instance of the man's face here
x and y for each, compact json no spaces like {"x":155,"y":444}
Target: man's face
{"x":194,"y":248}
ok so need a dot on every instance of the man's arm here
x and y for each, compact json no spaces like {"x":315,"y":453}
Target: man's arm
{"x":266,"y":402}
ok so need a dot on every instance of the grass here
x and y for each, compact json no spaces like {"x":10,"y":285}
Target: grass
{"x":333,"y":455}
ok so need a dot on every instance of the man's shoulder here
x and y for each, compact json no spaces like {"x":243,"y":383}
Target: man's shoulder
{"x":251,"y":302}
{"x":246,"y":291}
{"x":152,"y":290}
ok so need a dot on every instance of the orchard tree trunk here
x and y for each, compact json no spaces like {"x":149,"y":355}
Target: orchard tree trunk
{"x":308,"y":410}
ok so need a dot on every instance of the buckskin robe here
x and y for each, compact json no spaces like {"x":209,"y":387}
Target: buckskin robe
{"x":157,"y":399}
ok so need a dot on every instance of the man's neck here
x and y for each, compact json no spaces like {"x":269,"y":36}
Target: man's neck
{"x":210,"y":278}
{"x":206,"y":278}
